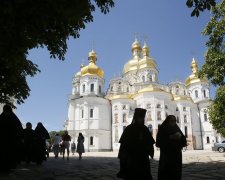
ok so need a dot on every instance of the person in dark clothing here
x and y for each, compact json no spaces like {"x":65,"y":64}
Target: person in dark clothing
{"x":136,"y":145}
{"x":11,"y":132}
{"x":41,"y":134}
{"x":66,"y":138}
{"x":170,"y":140}
{"x":80,"y":145}
{"x":29,"y":143}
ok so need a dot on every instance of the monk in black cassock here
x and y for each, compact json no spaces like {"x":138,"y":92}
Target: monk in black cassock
{"x":11,"y":132}
{"x":170,"y":140}
{"x":136,"y":145}
{"x":41,"y":135}
{"x":29,"y":143}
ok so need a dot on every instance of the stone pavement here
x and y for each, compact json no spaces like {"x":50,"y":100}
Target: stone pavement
{"x":197,"y":165}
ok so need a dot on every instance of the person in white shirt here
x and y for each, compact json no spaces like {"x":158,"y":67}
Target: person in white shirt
{"x":57,"y":140}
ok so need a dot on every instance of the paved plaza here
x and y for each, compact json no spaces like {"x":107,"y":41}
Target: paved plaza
{"x":197,"y":165}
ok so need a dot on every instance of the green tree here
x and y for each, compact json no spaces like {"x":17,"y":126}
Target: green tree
{"x":217,"y":111}
{"x":25,"y":25}
{"x":200,"y":6}
{"x":214,"y":66}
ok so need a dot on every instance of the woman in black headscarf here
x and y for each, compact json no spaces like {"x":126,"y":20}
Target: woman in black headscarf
{"x":170,"y":140}
{"x":136,"y":145}
{"x":41,"y":135}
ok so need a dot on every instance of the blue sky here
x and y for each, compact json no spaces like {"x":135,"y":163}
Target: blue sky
{"x":173,"y":37}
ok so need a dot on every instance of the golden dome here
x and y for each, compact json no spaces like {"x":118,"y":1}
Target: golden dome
{"x":136,"y":64}
{"x":193,"y":78}
{"x":136,"y":45}
{"x":92,"y":56}
{"x":145,"y":50}
{"x":92,"y":68}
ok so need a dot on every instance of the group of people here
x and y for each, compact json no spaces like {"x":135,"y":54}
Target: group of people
{"x":62,"y":144}
{"x":20,"y":144}
{"x":137,"y":144}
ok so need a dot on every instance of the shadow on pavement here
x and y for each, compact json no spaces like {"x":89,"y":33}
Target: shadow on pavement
{"x":103,"y":168}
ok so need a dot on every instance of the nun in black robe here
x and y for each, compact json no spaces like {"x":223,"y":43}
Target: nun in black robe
{"x":40,"y":147}
{"x":170,"y":140}
{"x":136,"y":145}
{"x":11,"y":132}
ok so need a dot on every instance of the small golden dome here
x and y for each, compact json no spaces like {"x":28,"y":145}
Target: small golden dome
{"x":145,"y":50}
{"x":136,"y":45}
{"x":92,"y":56}
{"x":92,"y":68}
{"x":193,"y":78}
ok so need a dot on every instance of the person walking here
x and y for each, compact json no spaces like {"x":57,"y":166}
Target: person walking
{"x":136,"y":145}
{"x":29,"y":141}
{"x":56,"y":143}
{"x":73,"y":147}
{"x":170,"y":140}
{"x":40,"y":145}
{"x":80,"y":145}
{"x":11,"y":133}
{"x":66,"y":138}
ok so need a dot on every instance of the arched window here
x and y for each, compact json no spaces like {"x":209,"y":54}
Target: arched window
{"x":82,"y":113}
{"x":205,"y":117}
{"x":207,"y":140}
{"x":148,"y":106}
{"x":99,"y":89}
{"x":91,"y":113}
{"x":178,"y":120}
{"x":159,"y":115}
{"x":127,"y":89}
{"x":148,"y":116}
{"x":166,"y":106}
{"x":184,"y":92}
{"x":150,"y":78}
{"x":92,"y":87}
{"x":124,"y":118}
{"x":158,"y":106}
{"x":116,"y":118}
{"x":177,"y":109}
{"x":177,"y":90}
{"x":185,"y":118}
{"x":196,"y":93}
{"x":111,"y":88}
{"x":124,"y":107}
{"x":83,"y":87}
{"x":204,"y":93}
{"x":143,"y":78}
{"x":91,"y":140}
{"x":186,"y":131}
{"x":184,"y":109}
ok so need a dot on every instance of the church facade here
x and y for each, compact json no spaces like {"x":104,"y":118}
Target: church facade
{"x":102,"y":117}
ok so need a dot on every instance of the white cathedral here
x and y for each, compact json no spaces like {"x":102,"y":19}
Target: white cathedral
{"x":102,"y":117}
